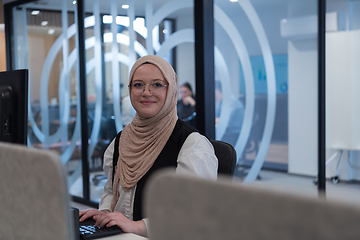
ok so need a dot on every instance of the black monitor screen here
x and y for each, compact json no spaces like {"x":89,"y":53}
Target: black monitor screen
{"x":13,"y":106}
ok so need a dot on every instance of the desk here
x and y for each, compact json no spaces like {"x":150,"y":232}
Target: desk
{"x":124,"y":236}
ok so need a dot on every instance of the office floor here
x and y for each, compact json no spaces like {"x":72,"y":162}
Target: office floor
{"x":278,"y":181}
{"x":348,"y":192}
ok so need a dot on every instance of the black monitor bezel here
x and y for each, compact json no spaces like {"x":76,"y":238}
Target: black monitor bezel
{"x":18,"y":81}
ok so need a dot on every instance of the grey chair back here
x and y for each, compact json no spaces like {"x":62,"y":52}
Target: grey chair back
{"x":226,"y":156}
{"x":186,"y":207}
{"x":34,"y":200}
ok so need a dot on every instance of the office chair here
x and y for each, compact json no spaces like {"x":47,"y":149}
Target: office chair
{"x":187,"y":207}
{"x":224,"y":152}
{"x":34,"y":195}
{"x":226,"y":156}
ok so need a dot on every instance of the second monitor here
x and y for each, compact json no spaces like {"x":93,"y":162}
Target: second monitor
{"x":13,"y":106}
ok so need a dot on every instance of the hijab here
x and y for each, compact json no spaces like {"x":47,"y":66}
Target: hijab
{"x":144,"y":138}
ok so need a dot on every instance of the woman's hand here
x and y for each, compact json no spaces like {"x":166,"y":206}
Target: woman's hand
{"x":118,"y":219}
{"x":85,"y":214}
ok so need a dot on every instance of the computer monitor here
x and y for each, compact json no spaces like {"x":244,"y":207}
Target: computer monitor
{"x":13,"y":106}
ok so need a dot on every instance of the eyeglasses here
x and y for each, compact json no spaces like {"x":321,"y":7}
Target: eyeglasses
{"x":155,"y":88}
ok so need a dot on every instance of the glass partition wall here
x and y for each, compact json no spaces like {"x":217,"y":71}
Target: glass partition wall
{"x":266,"y":81}
{"x":45,"y":42}
{"x":267,"y":90}
{"x":266,"y":84}
{"x":116,"y":34}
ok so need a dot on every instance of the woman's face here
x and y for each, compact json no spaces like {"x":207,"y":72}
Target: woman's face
{"x":184,"y":92}
{"x":146,"y":104}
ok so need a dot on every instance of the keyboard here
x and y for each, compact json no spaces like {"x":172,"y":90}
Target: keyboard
{"x":87,"y":229}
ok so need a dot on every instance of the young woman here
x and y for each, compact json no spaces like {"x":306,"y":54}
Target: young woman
{"x":155,"y":139}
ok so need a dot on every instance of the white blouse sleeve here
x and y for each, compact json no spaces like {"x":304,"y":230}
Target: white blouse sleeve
{"x":197,"y":156}
{"x":106,"y":197}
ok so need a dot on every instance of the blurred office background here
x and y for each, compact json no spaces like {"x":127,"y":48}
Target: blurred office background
{"x":265,"y":59}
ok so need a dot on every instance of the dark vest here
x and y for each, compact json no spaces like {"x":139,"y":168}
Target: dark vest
{"x":167,"y":158}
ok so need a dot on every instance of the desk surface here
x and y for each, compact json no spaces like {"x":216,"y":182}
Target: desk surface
{"x":124,"y":236}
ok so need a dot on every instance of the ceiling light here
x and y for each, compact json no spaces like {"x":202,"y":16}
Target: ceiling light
{"x":51,"y":31}
{"x":74,"y":2}
{"x":125,"y":6}
{"x":35,"y":12}
{"x":165,"y":31}
{"x":107,"y":19}
{"x":233,"y":0}
{"x":44,"y":23}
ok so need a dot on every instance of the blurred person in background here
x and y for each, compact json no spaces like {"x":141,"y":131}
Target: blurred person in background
{"x":186,"y":106}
